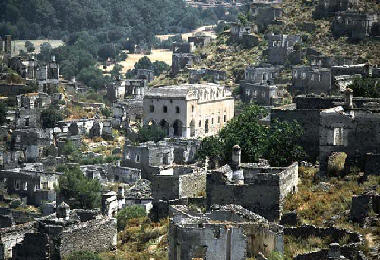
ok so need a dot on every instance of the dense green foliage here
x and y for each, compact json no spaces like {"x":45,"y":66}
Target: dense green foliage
{"x":129,"y":213}
{"x":79,"y":191}
{"x":278,"y":143}
{"x":50,"y":117}
{"x":148,"y":133}
{"x":3,"y":112}
{"x":110,"y":19}
{"x":83,"y":255}
{"x":367,"y":87}
{"x":158,"y":67}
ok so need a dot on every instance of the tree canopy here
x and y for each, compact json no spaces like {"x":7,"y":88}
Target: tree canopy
{"x":277,"y":143}
{"x":79,"y":191}
{"x":51,"y":116}
{"x":368,"y":87}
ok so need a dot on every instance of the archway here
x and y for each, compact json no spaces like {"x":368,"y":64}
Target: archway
{"x":177,"y":126}
{"x":165,"y":126}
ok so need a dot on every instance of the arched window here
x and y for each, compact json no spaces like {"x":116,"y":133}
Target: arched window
{"x":177,"y":110}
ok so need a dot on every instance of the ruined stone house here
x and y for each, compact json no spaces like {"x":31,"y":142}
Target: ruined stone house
{"x":145,"y":74}
{"x":228,"y":232}
{"x":311,"y":80}
{"x":356,"y":26}
{"x":135,"y":88}
{"x":181,"y":61}
{"x":209,"y":75}
{"x":349,"y":129}
{"x":258,"y":188}
{"x":127,"y":113}
{"x":36,"y":186}
{"x":151,"y":158}
{"x":65,"y":232}
{"x":326,"y":8}
{"x":116,"y":90}
{"x":189,"y":110}
{"x":264,"y":14}
{"x":199,"y":41}
{"x":47,"y":73}
{"x":283,"y":49}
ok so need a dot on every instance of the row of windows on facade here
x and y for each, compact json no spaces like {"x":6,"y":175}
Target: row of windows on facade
{"x":24,"y":185}
{"x":165,"y":109}
{"x":303,"y":76}
{"x":165,"y":158}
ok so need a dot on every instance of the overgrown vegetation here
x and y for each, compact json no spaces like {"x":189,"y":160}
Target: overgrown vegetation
{"x":77,"y":190}
{"x":278,"y":143}
{"x":128,"y":213}
{"x":367,"y":87}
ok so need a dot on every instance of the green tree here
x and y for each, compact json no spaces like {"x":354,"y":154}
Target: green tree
{"x":83,"y":255}
{"x":148,"y":133}
{"x":213,"y":148}
{"x":29,"y":46}
{"x":3,"y":113}
{"x":282,"y":146}
{"x":79,"y":191}
{"x":115,"y":72}
{"x":159,"y":67}
{"x":144,"y":63}
{"x":50,"y":117}
{"x":246,"y":131}
{"x":45,"y":52}
{"x":367,"y":87}
{"x":277,"y":143}
{"x":129,"y":213}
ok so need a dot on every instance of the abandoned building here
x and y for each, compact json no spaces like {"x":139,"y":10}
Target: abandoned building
{"x":311,"y":80}
{"x":244,"y":34}
{"x":116,"y":90}
{"x":183,"y":47}
{"x":58,"y":235}
{"x":283,"y":49}
{"x":365,"y":70}
{"x":264,"y":14}
{"x":127,"y":113}
{"x":189,"y":110}
{"x":257,"y":187}
{"x":181,"y":61}
{"x":352,"y":129}
{"x":199,"y":41}
{"x":151,"y":158}
{"x":36,"y":186}
{"x":261,"y":94}
{"x":209,"y":75}
{"x":226,"y":232}
{"x":47,"y":73}
{"x":327,"y":8}
{"x":263,"y":73}
{"x":135,"y":88}
{"x":145,"y":74}
{"x":356,"y":26}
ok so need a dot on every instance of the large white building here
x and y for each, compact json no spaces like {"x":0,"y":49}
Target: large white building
{"x":189,"y":110}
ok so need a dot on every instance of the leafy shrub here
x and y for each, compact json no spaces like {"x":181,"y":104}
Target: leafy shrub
{"x":129,"y":213}
{"x":83,"y":255}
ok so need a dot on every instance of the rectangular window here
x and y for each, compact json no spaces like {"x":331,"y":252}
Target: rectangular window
{"x":338,"y":136}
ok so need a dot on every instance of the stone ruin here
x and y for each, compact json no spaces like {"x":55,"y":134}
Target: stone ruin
{"x":209,"y":75}
{"x":327,"y":8}
{"x":255,"y":186}
{"x":282,"y":49}
{"x":225,"y":232}
{"x":311,"y":80}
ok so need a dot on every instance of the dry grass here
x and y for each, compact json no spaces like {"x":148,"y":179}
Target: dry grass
{"x":157,"y":55}
{"x":205,"y":30}
{"x":20,"y":44}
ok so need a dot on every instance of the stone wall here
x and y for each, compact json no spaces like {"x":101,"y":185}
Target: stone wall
{"x":372,"y":164}
{"x":94,"y":235}
{"x":10,"y":236}
{"x":261,"y":193}
{"x":308,"y":119}
{"x":192,"y":185}
{"x":12,"y":89}
{"x":354,"y":132}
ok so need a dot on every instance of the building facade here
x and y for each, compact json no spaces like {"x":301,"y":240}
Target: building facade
{"x":189,"y":110}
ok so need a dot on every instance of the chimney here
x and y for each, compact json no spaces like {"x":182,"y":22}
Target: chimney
{"x":236,"y":157}
{"x":348,"y":95}
{"x":63,"y":211}
{"x":53,"y":58}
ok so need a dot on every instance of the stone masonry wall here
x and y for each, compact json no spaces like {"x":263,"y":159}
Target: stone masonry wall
{"x":192,"y":185}
{"x":94,"y":235}
{"x":9,"y":237}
